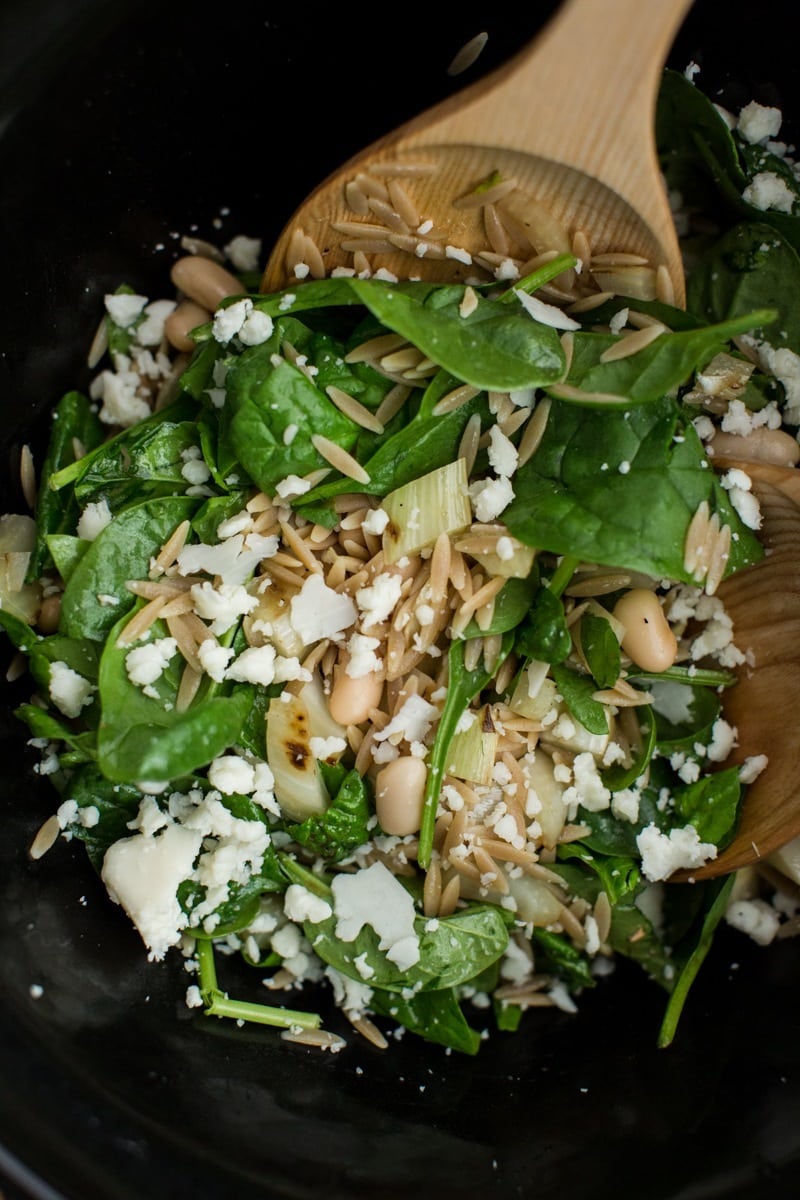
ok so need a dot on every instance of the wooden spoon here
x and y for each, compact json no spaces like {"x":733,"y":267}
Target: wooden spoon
{"x":763,"y":602}
{"x":565,"y":130}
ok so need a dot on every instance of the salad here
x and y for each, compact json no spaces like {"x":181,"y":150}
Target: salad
{"x":374,"y":625}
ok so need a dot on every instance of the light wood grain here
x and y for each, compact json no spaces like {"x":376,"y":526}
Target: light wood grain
{"x":764,"y":604}
{"x":570,"y":119}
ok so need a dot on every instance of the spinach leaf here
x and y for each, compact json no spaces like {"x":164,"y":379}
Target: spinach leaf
{"x":658,"y":368}
{"x":750,"y":266}
{"x":572,"y":498}
{"x":342,"y":827}
{"x":20,"y":634}
{"x":617,"y":838}
{"x":435,"y":1016}
{"x":120,"y":552}
{"x":690,"y":956}
{"x":240,"y":906}
{"x":453,"y":952}
{"x":555,"y":953}
{"x":498,"y":347}
{"x":619,"y":876}
{"x":66,"y":552}
{"x":267,"y":400}
{"x":141,"y":465}
{"x":145,"y":736}
{"x":462,"y":688}
{"x":116,"y":803}
{"x":633,"y":936}
{"x":576,"y":690}
{"x":511,"y":605}
{"x":692,"y":713}
{"x":544,"y":634}
{"x":619,"y":776}
{"x":600,"y":649}
{"x":73,"y":421}
{"x":43,"y":724}
{"x":686,"y":120}
{"x":423,"y":444}
{"x":711,"y":804}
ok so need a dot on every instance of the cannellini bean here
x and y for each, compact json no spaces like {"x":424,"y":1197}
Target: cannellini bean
{"x":49,"y":614}
{"x":399,"y":791}
{"x":351,"y":700}
{"x":760,"y":445}
{"x":648,"y":639}
{"x":181,"y":321}
{"x":204,"y":281}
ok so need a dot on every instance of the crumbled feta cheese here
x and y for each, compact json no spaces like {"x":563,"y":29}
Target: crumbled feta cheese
{"x":195,"y":471}
{"x":145,"y":664}
{"x":231,"y":775}
{"x":490,"y":497}
{"x":93,"y":520}
{"x":375,"y":521}
{"x":233,"y":560}
{"x":411,"y":722}
{"x":545,"y":314}
{"x":664,"y":853}
{"x":256,"y":328}
{"x":503,"y":456}
{"x":143,"y":874}
{"x":150,"y":332}
{"x":377,"y":601}
{"x":318,"y":611}
{"x":299,"y":904}
{"x":256,"y":664}
{"x":229,"y":320}
{"x":69,"y":691}
{"x":757,"y":122}
{"x":752,"y":767}
{"x":769,"y":193}
{"x":325,"y":748}
{"x":625,"y":805}
{"x":222,"y":606}
{"x":588,"y":789}
{"x":374,"y":896}
{"x":124,"y":308}
{"x":244,"y":252}
{"x":738,"y":485}
{"x":292,"y":485}
{"x":350,"y":995}
{"x":756,"y":918}
{"x":193,"y":997}
{"x":121,"y":404}
{"x":723,"y":740}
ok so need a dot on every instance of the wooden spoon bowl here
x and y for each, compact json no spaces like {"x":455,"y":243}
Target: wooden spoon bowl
{"x":557,"y":144}
{"x":763,"y":602}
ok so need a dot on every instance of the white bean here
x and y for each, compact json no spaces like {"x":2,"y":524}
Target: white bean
{"x":399,"y":792}
{"x":648,"y":639}
{"x":352,"y":700}
{"x":204,"y":281}
{"x":181,"y":321}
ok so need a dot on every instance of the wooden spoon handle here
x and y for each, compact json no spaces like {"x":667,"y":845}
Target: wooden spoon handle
{"x":583,"y":92}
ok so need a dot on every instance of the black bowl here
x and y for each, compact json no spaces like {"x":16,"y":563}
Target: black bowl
{"x":123,"y":126}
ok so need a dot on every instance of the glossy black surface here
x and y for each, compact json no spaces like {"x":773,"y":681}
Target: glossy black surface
{"x":123,"y":126}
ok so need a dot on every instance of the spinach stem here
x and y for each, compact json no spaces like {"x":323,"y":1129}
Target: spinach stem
{"x":218,"y":1004}
{"x":562,"y":574}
